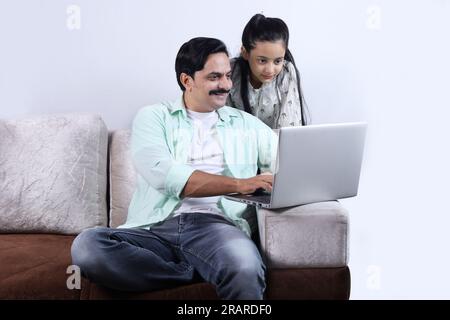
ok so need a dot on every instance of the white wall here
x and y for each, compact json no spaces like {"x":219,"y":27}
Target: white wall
{"x":386,"y":62}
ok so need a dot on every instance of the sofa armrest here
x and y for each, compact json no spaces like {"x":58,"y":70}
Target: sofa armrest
{"x":313,"y":235}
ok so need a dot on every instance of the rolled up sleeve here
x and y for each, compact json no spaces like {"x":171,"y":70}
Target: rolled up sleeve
{"x":152,"y":155}
{"x":177,"y":178}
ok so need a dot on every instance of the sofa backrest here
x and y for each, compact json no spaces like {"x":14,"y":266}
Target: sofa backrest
{"x":122,"y":176}
{"x":53,"y":174}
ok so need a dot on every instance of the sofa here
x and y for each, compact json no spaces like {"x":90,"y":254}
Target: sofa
{"x":63,"y":173}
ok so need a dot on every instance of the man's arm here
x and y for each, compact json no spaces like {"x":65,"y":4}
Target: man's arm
{"x":154,"y":162}
{"x":202,"y":184}
{"x":152,"y":157}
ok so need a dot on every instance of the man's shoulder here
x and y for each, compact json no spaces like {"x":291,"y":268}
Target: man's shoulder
{"x":158,"y":109}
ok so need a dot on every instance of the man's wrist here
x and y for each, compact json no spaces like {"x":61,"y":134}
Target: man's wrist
{"x":235,"y":183}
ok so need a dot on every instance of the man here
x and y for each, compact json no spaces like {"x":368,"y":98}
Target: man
{"x":187,"y":155}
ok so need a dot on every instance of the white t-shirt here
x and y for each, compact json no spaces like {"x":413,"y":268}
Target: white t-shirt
{"x":206,"y":154}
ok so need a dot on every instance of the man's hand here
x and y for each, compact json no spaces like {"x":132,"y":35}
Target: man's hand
{"x":247,"y":186}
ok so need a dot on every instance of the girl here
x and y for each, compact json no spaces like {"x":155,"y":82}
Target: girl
{"x":266,"y":82}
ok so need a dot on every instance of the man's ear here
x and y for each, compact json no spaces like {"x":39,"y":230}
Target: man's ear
{"x":186,"y":81}
{"x":244,"y":53}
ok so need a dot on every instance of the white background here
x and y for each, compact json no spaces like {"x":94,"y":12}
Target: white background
{"x":384,"y":62}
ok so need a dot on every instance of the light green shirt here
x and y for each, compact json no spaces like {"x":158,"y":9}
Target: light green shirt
{"x":160,"y":144}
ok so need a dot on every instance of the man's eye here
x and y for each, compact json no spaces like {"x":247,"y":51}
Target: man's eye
{"x":213,"y":77}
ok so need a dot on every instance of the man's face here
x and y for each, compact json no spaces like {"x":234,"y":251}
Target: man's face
{"x":209,"y":89}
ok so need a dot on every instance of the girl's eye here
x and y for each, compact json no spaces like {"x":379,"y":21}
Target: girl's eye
{"x":279,"y":61}
{"x":261,"y":61}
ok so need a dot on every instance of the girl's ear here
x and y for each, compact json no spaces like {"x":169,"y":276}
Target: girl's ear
{"x":244,"y":53}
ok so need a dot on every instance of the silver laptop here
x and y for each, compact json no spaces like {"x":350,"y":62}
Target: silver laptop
{"x":314,"y":163}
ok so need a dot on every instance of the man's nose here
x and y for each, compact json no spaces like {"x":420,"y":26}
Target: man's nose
{"x":225,"y":83}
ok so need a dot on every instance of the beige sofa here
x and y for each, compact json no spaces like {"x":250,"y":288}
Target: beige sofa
{"x":63,"y":173}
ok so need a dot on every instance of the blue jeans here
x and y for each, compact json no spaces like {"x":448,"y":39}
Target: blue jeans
{"x":185,"y":249}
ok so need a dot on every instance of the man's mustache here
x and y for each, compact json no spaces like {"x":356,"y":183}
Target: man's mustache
{"x":218,"y":91}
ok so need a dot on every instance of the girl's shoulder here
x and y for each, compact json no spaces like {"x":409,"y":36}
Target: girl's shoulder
{"x":235,"y":72}
{"x":288,"y":69}
{"x":287,"y":75}
{"x":234,"y":63}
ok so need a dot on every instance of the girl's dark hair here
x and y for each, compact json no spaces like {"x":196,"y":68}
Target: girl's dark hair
{"x":260,"y":28}
{"x":193,"y":54}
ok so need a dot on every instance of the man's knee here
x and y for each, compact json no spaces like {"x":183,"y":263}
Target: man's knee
{"x":85,"y":250}
{"x":243,"y":279}
{"x":248,"y":265}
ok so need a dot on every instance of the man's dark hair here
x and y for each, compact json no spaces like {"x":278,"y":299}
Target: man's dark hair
{"x":193,"y":54}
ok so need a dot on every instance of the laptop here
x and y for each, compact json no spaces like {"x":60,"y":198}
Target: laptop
{"x":314,"y":163}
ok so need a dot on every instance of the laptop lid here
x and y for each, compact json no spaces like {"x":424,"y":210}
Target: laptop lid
{"x":318,"y":163}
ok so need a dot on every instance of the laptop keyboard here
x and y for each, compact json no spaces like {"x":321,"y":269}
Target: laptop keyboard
{"x":263,"y":198}
{"x":260,"y":195}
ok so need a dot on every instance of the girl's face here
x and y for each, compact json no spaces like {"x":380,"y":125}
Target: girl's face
{"x":266,"y":61}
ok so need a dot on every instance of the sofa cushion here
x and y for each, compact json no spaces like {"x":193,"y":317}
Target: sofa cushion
{"x":286,"y":284}
{"x":308,"y":236}
{"x":53,"y":174}
{"x":308,"y":284}
{"x":34,"y":266}
{"x":195,"y":291}
{"x":122,"y":178}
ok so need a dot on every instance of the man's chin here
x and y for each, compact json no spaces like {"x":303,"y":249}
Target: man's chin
{"x":219,"y":102}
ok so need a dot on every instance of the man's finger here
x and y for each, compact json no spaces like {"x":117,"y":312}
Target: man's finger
{"x":268,"y":187}
{"x":268,"y":178}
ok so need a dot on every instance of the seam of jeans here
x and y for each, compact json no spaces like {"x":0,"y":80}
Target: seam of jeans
{"x":131,"y":233}
{"x":193,"y":253}
{"x":184,"y":265}
{"x":180,"y":227}
{"x":151,"y":235}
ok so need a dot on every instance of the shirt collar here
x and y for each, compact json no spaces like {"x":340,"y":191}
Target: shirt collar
{"x":178,"y":106}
